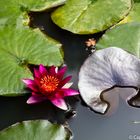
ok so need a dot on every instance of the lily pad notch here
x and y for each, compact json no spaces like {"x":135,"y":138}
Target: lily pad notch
{"x":105,"y":69}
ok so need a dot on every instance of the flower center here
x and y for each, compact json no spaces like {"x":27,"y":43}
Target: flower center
{"x":49,"y":83}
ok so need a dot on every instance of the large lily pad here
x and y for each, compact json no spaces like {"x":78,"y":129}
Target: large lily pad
{"x":105,"y":69}
{"x":134,"y":15}
{"x":18,"y":49}
{"x":126,"y":36}
{"x":35,"y":130}
{"x":90,"y":16}
{"x":13,"y":11}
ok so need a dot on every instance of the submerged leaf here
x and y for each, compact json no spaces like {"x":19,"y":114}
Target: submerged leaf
{"x":18,"y":49}
{"x":90,"y":16}
{"x":106,"y":69}
{"x":126,"y":36}
{"x":36,"y":130}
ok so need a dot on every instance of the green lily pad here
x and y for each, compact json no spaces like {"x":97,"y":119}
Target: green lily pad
{"x":35,"y":130}
{"x":90,"y":16}
{"x":134,"y":15}
{"x":21,"y":46}
{"x":18,"y":49}
{"x":13,"y":11}
{"x":126,"y":36}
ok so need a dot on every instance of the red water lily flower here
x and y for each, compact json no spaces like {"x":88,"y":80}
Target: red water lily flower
{"x":50,"y":85}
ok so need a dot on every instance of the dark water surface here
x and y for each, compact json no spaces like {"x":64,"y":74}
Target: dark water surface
{"x":87,"y":125}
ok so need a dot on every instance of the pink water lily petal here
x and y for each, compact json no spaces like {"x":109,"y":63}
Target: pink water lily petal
{"x":52,"y":70}
{"x":56,"y":70}
{"x":37,"y":81}
{"x":69,"y":92}
{"x":33,"y":87}
{"x":60,"y":103}
{"x":61,"y":72}
{"x":28,"y":81}
{"x":36,"y":99}
{"x":30,"y":84}
{"x":36,"y":94}
{"x":37,"y":73}
{"x":42,"y":69}
{"x":65,"y":80}
{"x":68,"y":85}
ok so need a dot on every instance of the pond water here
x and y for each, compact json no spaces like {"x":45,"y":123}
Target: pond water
{"x":122,"y":124}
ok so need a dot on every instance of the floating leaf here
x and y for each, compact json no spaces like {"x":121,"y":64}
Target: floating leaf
{"x":134,"y":15}
{"x":20,"y":46}
{"x":126,"y":36}
{"x":35,"y":130}
{"x":90,"y":16}
{"x":105,"y":69}
{"x":13,"y":11}
{"x":18,"y":49}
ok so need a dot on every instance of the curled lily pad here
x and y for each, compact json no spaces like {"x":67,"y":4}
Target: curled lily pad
{"x":126,"y":36}
{"x":104,"y":70}
{"x":90,"y":16}
{"x":13,"y":11}
{"x":18,"y":49}
{"x":35,"y":130}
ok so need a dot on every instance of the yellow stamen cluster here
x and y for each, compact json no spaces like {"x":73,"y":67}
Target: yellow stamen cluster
{"x":49,"y":83}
